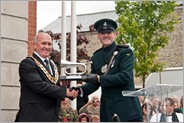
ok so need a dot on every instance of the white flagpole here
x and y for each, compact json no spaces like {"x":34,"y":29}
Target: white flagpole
{"x":73,"y":45}
{"x":63,"y":34}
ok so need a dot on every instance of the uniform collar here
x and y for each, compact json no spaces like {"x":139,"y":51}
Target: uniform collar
{"x":110,"y":47}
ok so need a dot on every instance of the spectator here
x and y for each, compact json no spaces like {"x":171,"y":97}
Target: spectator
{"x":147,"y":111}
{"x":83,"y":117}
{"x":156,"y":104}
{"x":176,"y":101}
{"x":92,"y":107}
{"x":168,"y":114}
{"x":94,"y":118}
{"x":181,"y":104}
{"x":66,"y":113}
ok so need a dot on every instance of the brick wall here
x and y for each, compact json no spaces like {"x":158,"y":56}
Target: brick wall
{"x":31,"y":25}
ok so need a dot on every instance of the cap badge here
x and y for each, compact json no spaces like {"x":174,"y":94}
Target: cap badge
{"x":105,"y":24}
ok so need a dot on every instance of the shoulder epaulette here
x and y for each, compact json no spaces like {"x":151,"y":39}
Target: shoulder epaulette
{"x":122,"y":46}
{"x":97,"y":50}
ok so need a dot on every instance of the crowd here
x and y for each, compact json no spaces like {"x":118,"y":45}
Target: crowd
{"x":169,"y":109}
{"x":89,"y":112}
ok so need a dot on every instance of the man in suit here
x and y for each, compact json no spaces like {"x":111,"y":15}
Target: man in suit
{"x":167,"y":113}
{"x":40,"y":96}
{"x":112,"y":69}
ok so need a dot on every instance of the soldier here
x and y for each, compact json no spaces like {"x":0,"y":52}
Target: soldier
{"x":66,"y":113}
{"x":112,"y":69}
{"x":94,"y":118}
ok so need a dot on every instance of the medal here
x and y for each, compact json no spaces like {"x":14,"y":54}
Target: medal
{"x":104,"y":68}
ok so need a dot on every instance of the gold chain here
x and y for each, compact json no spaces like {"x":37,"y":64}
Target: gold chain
{"x":49,"y":76}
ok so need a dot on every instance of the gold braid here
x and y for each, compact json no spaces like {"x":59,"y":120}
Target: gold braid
{"x":49,"y":76}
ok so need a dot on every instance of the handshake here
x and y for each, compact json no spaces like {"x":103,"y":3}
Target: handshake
{"x":73,"y":92}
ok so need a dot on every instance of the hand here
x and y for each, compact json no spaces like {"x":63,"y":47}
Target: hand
{"x":91,"y":78}
{"x":65,"y":83}
{"x":89,"y":103}
{"x":77,"y":89}
{"x":71,"y":93}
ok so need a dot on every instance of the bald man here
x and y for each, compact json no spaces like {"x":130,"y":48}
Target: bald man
{"x":40,"y":96}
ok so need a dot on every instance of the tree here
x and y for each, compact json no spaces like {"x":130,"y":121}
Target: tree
{"x":144,"y":25}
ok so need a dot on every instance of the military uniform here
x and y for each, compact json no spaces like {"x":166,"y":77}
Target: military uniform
{"x":70,"y":115}
{"x":117,"y":79}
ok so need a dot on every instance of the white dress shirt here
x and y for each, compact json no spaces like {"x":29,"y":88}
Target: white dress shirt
{"x":156,"y":117}
{"x":44,"y":62}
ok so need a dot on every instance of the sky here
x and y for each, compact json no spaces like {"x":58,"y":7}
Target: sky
{"x":48,"y":11}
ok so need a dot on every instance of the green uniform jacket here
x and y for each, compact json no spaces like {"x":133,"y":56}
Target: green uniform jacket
{"x":118,"y":79}
{"x":70,"y":114}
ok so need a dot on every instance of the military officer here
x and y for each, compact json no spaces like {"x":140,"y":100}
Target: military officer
{"x":112,"y":69}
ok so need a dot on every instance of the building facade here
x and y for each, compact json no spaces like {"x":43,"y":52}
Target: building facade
{"x":18,"y":27}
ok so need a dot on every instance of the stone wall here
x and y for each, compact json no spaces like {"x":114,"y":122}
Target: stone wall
{"x":172,"y":54}
{"x":14,"y":35}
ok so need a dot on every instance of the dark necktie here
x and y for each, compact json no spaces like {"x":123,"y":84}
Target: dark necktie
{"x":47,"y":65}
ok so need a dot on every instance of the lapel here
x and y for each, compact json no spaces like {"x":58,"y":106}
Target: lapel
{"x":52,"y":66}
{"x":37,"y":58}
{"x":52,"y":78}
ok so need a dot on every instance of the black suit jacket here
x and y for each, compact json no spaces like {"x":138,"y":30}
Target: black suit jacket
{"x":39,"y":99}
